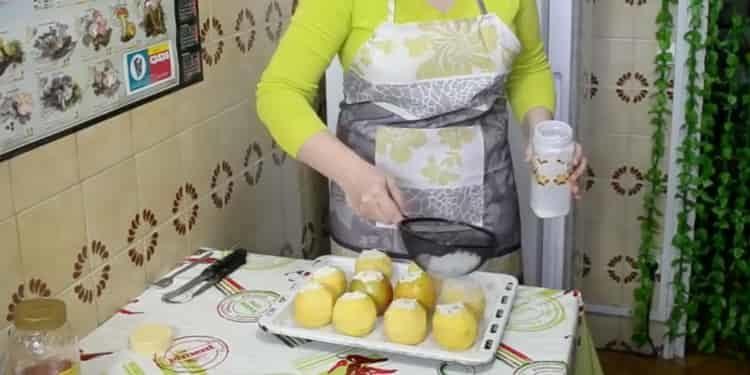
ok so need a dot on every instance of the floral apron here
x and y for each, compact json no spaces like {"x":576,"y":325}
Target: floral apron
{"x":425,"y":102}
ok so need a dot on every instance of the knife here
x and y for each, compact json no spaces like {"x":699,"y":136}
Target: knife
{"x":209,"y":277}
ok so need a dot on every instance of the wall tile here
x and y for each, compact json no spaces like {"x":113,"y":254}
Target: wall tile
{"x":110,"y":201}
{"x":193,"y":105}
{"x":230,"y":15}
{"x":606,"y":330}
{"x":4,"y":334}
{"x":241,"y":219}
{"x":104,"y":145}
{"x":645,"y":20}
{"x":160,"y":174}
{"x":614,"y":19}
{"x":154,"y":122}
{"x":6,"y":198}
{"x":51,"y":256}
{"x":612,"y":59}
{"x":10,"y":263}
{"x":291,"y":198}
{"x":212,"y":229}
{"x":171,"y":247}
{"x":43,"y":172}
{"x":126,"y":281}
{"x":603,"y":239}
{"x":228,"y":73}
{"x":644,"y":55}
{"x":606,"y":153}
{"x":80,"y":301}
{"x":269,"y":233}
{"x":235,"y":134}
{"x":200,"y":149}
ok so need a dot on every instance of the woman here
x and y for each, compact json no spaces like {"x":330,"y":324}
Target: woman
{"x":423,"y":128}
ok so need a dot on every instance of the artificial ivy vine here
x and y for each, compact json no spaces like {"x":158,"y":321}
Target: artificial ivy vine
{"x":713,"y":182}
{"x":689,"y":183}
{"x":717,"y":310}
{"x":650,"y":223}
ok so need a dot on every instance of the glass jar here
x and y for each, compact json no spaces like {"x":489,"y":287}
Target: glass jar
{"x":42,"y":342}
{"x":553,"y":148}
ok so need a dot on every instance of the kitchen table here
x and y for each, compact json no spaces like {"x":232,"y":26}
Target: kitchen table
{"x":217,"y":333}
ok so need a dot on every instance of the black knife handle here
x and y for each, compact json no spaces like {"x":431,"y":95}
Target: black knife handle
{"x":227,"y":265}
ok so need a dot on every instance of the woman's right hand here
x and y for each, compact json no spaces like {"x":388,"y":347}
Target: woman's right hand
{"x":371,"y":193}
{"x":375,"y":196}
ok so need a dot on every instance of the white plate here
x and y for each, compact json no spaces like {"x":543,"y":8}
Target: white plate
{"x":499,"y":289}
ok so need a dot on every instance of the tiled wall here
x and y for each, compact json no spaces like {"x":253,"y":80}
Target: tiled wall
{"x":617,"y":52}
{"x":94,"y":217}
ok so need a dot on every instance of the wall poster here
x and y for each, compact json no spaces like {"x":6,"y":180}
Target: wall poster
{"x":68,"y":64}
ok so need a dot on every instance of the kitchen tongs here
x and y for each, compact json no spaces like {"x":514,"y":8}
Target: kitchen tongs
{"x":208,"y":278}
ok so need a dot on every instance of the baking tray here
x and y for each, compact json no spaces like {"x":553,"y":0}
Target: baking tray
{"x":500,"y":290}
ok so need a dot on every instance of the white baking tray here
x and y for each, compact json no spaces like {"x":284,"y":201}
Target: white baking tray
{"x":499,"y":289}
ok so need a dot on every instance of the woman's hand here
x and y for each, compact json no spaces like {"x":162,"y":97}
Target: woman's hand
{"x":578,"y":168}
{"x":371,"y":193}
{"x":374,"y":196}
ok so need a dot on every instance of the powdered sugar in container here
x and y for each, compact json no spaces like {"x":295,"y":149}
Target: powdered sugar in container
{"x":553,"y":149}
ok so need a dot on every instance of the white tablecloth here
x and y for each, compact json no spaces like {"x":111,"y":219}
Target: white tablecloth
{"x":221,"y":338}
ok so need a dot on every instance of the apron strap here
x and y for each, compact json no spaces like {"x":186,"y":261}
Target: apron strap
{"x":482,"y":7}
{"x":391,"y":17}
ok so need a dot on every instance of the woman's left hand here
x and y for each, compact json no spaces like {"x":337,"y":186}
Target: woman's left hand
{"x":580,"y":163}
{"x":578,"y":168}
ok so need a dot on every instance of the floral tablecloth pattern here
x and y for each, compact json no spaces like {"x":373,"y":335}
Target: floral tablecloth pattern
{"x":217,"y":334}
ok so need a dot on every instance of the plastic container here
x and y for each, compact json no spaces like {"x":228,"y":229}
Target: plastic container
{"x":550,"y":169}
{"x":42,"y":342}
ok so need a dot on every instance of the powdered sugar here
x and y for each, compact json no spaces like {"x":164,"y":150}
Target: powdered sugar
{"x":405,"y":304}
{"x":450,"y":309}
{"x":411,"y":276}
{"x":454,"y":264}
{"x":353,"y":296}
{"x":369,"y":276}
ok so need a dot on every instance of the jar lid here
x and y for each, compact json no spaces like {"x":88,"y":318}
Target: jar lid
{"x":552,"y":134}
{"x":41,"y":314}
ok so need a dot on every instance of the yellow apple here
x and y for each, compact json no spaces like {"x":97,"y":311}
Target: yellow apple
{"x":375,"y":285}
{"x":332,"y":278}
{"x":313,"y":305}
{"x":417,"y":285}
{"x":354,"y":314}
{"x":454,"y":327}
{"x":405,"y":322}
{"x":374,"y":260}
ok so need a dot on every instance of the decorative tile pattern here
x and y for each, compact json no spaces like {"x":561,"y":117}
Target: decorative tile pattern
{"x":274,"y":21}
{"x":212,"y":51}
{"x":627,"y":181}
{"x":221,"y":198}
{"x":245,"y":42}
{"x":632,"y":87}
{"x":144,"y":222}
{"x":253,"y":164}
{"x":186,"y":198}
